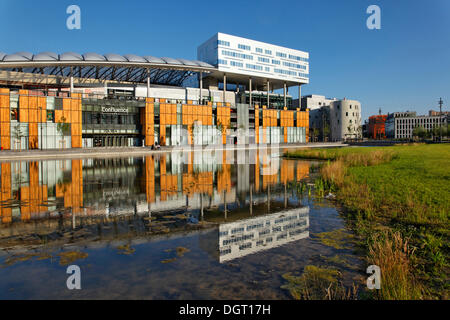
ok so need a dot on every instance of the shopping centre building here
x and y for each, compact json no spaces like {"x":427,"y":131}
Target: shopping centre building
{"x":237,"y":92}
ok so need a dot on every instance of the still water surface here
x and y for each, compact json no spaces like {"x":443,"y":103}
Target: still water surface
{"x":182,"y":225}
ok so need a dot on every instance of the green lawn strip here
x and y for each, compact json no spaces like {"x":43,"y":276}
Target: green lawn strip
{"x":410,"y":194}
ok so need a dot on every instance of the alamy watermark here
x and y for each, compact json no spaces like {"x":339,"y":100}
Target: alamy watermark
{"x":374,"y":281}
{"x":74,"y":280}
{"x":374,"y":20}
{"x":73,"y":22}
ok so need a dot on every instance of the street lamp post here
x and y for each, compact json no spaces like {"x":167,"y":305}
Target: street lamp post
{"x":440,"y":119}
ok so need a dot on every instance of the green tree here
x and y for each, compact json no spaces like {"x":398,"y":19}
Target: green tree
{"x":314,"y":134}
{"x":359,"y":130}
{"x":326,"y":132}
{"x":221,"y":127}
{"x":349,"y":129}
{"x":18,"y":134}
{"x":419,"y":132}
{"x":192,"y":130}
{"x":63,"y":129}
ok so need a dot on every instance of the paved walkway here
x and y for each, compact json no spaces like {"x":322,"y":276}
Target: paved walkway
{"x":12,"y":155}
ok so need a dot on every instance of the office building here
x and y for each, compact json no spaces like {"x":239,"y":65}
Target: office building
{"x":333,"y":119}
{"x":72,"y":100}
{"x":400,"y":125}
{"x":376,"y":127}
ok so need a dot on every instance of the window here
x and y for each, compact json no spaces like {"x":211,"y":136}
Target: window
{"x":259,"y":50}
{"x":51,"y":115}
{"x":293,"y":65}
{"x":269,"y":52}
{"x":223,"y":43}
{"x":298,"y":58}
{"x":14,"y":114}
{"x":244,"y":47}
{"x":253,"y":66}
{"x":275,"y":61}
{"x":220,"y":61}
{"x":237,"y":55}
{"x":267,"y":69}
{"x":265,"y":60}
{"x":236,"y":64}
{"x":346,"y":114}
{"x":282,"y":55}
{"x":286,"y":72}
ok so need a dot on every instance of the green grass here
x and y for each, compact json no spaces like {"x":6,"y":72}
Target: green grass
{"x":400,"y":191}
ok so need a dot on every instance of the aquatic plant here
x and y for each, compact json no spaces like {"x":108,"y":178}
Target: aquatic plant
{"x":337,"y":239}
{"x":392,"y":254}
{"x":317,"y":283}
{"x":69,"y":257}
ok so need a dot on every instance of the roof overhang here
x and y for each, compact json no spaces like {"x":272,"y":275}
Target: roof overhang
{"x":109,"y":67}
{"x":258,"y":82}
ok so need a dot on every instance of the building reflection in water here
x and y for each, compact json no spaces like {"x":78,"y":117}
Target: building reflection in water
{"x":240,"y":238}
{"x":189,"y":181}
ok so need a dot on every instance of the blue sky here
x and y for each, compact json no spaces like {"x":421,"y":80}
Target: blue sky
{"x":403,"y":66}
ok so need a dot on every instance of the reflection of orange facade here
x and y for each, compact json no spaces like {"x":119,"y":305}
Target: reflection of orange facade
{"x":72,"y":191}
{"x":5,"y":213}
{"x":269,"y":176}
{"x":33,"y":198}
{"x":287,"y":170}
{"x":200,"y":182}
{"x":169,"y":182}
{"x":196,"y":182}
{"x":169,"y":186}
{"x":291,"y":170}
{"x":224,"y":178}
{"x":302,"y":170}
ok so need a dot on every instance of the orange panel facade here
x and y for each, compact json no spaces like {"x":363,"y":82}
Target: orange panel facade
{"x":149,"y":122}
{"x":5,"y":126}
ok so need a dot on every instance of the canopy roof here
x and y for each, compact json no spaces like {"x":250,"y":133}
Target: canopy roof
{"x":128,"y":68}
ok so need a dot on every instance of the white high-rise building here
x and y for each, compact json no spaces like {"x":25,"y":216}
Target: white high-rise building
{"x":255,"y":58}
{"x":258,"y":65}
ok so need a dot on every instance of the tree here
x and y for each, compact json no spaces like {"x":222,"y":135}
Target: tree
{"x":192,"y":131}
{"x":221,"y":127}
{"x":435,"y":132}
{"x":326,"y":132}
{"x":349,"y":129}
{"x":359,"y":131}
{"x":419,"y":132}
{"x":18,"y":134}
{"x":63,"y":129}
{"x":314,"y":134}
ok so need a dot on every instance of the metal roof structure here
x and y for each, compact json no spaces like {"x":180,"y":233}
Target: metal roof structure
{"x":127,"y":68}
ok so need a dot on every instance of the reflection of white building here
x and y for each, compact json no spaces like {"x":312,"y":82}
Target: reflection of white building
{"x":240,"y":238}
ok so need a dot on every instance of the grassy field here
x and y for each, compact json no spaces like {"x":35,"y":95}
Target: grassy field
{"x":398,"y":202}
